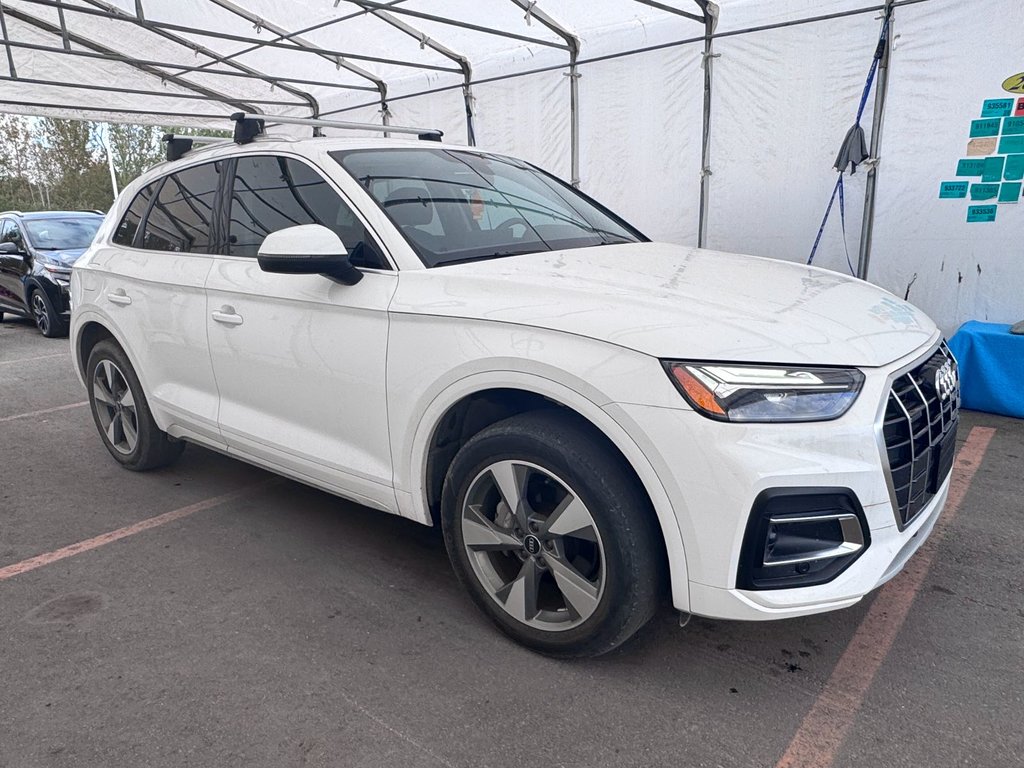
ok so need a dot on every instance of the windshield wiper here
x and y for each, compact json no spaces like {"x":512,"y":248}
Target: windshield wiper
{"x":481,"y":257}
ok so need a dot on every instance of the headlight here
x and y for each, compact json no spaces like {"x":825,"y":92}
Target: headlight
{"x":766,"y":393}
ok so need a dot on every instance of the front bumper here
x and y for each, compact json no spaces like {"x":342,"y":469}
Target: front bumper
{"x":714,"y":471}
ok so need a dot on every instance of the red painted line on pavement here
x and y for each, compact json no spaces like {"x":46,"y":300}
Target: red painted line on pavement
{"x":821,"y":734}
{"x":44,"y":411}
{"x":38,"y":357}
{"x":71,"y":550}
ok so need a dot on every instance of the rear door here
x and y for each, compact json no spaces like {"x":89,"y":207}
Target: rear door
{"x":151,"y":282}
{"x":300,"y":359}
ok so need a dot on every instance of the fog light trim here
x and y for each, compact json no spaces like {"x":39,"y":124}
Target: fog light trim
{"x":849,"y":525}
{"x":835,"y":534}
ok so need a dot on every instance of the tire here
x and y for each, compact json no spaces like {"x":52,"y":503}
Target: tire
{"x":579,"y":568}
{"x":49,"y":323}
{"x":122,"y":414}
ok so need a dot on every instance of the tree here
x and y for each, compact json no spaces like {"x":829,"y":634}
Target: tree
{"x":74,"y":158}
{"x":19,"y":155}
{"x":135,"y":148}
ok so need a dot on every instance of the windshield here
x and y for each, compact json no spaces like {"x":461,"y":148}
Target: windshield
{"x":61,"y":234}
{"x":457,"y":206}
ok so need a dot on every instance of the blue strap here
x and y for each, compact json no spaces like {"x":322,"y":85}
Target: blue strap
{"x":824,"y":220}
{"x":838,"y":189}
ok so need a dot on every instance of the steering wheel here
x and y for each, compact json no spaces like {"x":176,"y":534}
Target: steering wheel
{"x":506,"y":226}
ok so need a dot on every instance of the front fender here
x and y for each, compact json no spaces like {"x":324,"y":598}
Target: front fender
{"x":414,"y":471}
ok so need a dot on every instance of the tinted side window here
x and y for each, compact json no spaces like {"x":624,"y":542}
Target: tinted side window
{"x":273,"y":193}
{"x":182,"y":216}
{"x":125,"y":234}
{"x":3,"y":229}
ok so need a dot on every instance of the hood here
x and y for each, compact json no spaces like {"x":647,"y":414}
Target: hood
{"x":63,"y":258}
{"x":672,"y":301}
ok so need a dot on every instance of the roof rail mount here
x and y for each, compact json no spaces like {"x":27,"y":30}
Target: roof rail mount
{"x":177,"y":146}
{"x":246,"y":126}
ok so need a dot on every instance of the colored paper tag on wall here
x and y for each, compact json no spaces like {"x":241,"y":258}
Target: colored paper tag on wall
{"x":1019,"y":111}
{"x":993,"y":169}
{"x":985,"y":127}
{"x":970,"y":168}
{"x":1009,"y":192}
{"x":981,"y":213}
{"x":1010,"y":145}
{"x":1014,"y":83}
{"x":997,"y":107}
{"x":953,"y":189}
{"x":984,"y":191}
{"x":1014,"y":169}
{"x":977,"y":147}
{"x":1013,"y":125}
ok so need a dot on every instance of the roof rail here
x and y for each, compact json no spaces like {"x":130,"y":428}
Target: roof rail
{"x":248,"y":125}
{"x":11,"y":213}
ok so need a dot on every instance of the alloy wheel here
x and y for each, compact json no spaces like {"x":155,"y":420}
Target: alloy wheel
{"x":40,"y":313}
{"x":533,"y":545}
{"x":115,"y":407}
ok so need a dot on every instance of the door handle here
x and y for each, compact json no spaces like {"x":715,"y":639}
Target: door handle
{"x":227,"y":316}
{"x":119,"y":297}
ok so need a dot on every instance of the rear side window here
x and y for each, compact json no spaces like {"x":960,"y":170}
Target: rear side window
{"x":132,"y":219}
{"x":273,"y":193}
{"x":182,"y":216}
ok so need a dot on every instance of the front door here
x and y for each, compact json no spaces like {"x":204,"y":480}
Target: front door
{"x":300,"y":359}
{"x":13,"y":268}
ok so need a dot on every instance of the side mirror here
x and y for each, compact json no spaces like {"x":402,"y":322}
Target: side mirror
{"x":307,"y":249}
{"x":9,"y":248}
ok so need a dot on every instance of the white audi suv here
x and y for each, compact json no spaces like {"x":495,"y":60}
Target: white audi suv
{"x":595,"y":420}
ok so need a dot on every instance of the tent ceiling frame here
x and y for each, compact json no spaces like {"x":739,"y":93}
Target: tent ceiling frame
{"x":226,"y":57}
{"x":301,"y":43}
{"x":140,"y":20}
{"x":678,"y":11}
{"x":109,"y":110}
{"x":462,"y":61}
{"x":7,"y":42}
{"x":370,"y":6}
{"x":125,"y":59}
{"x":108,"y":53}
{"x":139,"y":91}
{"x":295,"y":43}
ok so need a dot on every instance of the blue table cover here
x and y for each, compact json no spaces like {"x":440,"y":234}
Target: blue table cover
{"x":991,"y":368}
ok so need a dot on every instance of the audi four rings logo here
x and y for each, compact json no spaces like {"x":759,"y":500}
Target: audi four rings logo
{"x":945,"y":380}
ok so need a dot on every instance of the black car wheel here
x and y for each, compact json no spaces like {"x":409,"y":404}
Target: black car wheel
{"x":551,"y":535}
{"x":47,"y":320}
{"x":122,"y":414}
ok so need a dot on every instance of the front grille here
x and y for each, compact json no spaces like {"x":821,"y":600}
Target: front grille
{"x":921,"y":418}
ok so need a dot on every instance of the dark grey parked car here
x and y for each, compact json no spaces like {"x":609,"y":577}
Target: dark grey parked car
{"x":37,"y":251}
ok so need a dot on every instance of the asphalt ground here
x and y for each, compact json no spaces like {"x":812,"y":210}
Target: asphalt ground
{"x":269,"y":624}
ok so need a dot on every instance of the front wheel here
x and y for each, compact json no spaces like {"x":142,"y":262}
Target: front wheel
{"x":552,"y":535}
{"x":49,"y":323}
{"x":122,"y":414}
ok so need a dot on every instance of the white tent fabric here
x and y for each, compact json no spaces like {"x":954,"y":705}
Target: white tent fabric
{"x":786,"y":80}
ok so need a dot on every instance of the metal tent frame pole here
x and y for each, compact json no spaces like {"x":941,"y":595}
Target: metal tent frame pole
{"x":301,"y":43}
{"x":141,"y":21}
{"x":572,"y":44}
{"x":877,"y":120}
{"x":463,"y":62}
{"x":108,"y":53}
{"x":710,"y":21}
